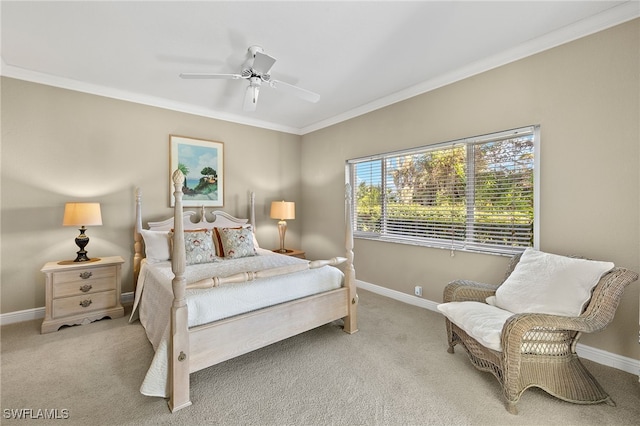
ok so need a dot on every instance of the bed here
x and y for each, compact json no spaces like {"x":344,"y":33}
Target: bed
{"x":198,"y":311}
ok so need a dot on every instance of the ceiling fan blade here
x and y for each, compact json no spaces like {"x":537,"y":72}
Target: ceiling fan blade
{"x":262,"y":63}
{"x":195,"y":75}
{"x":251,"y":98}
{"x":305,"y":94}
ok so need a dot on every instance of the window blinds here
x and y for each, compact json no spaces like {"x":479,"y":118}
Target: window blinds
{"x":474,"y":194}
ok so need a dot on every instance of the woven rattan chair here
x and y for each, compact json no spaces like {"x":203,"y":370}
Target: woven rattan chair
{"x":538,"y":349}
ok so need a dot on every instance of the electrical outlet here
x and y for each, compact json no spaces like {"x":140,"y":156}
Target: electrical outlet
{"x":418,"y":291}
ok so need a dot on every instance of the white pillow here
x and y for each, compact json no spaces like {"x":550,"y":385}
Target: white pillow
{"x":550,"y":284}
{"x":255,"y":240}
{"x":157,"y":245}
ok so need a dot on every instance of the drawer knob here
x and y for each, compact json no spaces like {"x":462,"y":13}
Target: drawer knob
{"x":86,"y":275}
{"x":85,"y":288}
{"x":85,"y":303}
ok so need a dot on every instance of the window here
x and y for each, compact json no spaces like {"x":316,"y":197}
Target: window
{"x":472,"y":194}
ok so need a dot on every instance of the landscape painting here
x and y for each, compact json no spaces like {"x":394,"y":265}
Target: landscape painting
{"x":202,"y":163}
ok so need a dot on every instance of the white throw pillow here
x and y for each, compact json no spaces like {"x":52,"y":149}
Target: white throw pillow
{"x":157,"y":246}
{"x":550,"y":284}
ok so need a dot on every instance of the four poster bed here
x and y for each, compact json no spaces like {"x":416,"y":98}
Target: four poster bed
{"x":200,"y":308}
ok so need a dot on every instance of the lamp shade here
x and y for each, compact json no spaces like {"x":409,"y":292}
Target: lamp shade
{"x":82,"y":214}
{"x":283,"y":210}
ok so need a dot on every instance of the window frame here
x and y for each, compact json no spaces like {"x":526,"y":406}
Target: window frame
{"x":434,"y":242}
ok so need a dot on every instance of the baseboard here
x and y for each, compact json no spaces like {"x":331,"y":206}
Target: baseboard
{"x":398,"y":295}
{"x":38,"y":313}
{"x":609,"y":359}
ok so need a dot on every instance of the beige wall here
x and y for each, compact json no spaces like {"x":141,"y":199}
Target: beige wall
{"x":585,"y":96}
{"x":60,"y":145}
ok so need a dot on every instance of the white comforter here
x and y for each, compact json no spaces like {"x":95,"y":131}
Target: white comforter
{"x":154,"y":297}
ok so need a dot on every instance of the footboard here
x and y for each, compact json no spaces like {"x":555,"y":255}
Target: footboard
{"x":193,"y":349}
{"x":245,"y":333}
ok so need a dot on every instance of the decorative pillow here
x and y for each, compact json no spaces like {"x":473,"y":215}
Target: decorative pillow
{"x":157,"y":245}
{"x":216,"y":240}
{"x":550,"y":284}
{"x":199,"y":247}
{"x":235,"y":242}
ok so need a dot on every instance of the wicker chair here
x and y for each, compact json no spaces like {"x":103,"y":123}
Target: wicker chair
{"x":539,"y":349}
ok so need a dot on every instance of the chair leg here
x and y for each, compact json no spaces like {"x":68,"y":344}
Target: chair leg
{"x":511,"y":407}
{"x":450,"y":336}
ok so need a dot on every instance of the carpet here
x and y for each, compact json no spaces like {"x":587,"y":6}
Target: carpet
{"x":394,"y":371}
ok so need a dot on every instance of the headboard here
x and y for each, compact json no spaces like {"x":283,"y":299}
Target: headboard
{"x":219,"y":219}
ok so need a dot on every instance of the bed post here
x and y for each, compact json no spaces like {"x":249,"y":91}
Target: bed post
{"x":137,"y":239}
{"x":350,"y":321}
{"x":179,"y":339}
{"x":252,"y":210}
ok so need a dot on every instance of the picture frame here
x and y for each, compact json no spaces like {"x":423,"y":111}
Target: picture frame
{"x":202,"y":162}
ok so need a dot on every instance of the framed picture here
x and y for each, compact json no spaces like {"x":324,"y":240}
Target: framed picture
{"x":202,"y":163}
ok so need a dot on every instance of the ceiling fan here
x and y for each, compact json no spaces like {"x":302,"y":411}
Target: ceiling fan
{"x":256,"y":69}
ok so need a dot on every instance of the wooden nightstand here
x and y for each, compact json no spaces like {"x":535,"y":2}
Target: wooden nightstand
{"x":82,"y":292}
{"x":294,"y":253}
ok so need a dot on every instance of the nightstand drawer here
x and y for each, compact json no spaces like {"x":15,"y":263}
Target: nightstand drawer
{"x":83,"y":303}
{"x":77,"y":293}
{"x":83,"y":287}
{"x":84,"y":275}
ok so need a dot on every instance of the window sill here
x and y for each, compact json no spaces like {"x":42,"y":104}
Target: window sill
{"x":456,"y":246}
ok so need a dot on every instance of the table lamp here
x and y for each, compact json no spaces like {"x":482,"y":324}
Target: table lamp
{"x":82,"y":214}
{"x":283,"y":210}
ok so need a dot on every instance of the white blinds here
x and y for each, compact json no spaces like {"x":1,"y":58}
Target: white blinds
{"x":475,"y":194}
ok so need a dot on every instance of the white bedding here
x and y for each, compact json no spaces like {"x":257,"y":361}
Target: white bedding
{"x":154,"y":297}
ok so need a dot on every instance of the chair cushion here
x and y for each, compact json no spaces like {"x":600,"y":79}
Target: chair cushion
{"x":482,"y":322}
{"x":550,"y":284}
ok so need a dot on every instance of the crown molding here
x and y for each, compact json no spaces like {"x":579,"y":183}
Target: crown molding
{"x":11,"y":71}
{"x":610,"y":18}
{"x":614,"y":16}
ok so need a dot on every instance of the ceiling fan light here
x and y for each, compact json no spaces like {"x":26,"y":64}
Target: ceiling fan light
{"x":256,"y":69}
{"x":251,"y":98}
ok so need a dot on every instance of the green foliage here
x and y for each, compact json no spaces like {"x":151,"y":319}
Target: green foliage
{"x":369,"y":207}
{"x":209,"y":171}
{"x":426,"y":194}
{"x":205,"y":186}
{"x":185,"y":171}
{"x":208,"y":183}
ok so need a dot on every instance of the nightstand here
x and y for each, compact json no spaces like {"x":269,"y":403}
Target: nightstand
{"x":294,"y":253}
{"x":81,"y":292}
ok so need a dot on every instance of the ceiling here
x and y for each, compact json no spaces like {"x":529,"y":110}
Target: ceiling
{"x":358,"y":55}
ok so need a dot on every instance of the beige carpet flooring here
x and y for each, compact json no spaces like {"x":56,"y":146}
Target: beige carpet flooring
{"x":394,"y":371}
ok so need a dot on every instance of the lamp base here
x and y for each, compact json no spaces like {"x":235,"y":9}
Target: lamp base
{"x":75,"y":262}
{"x":81,"y":241}
{"x":282,"y":230}
{"x":82,"y":256}
{"x":283,"y":250}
